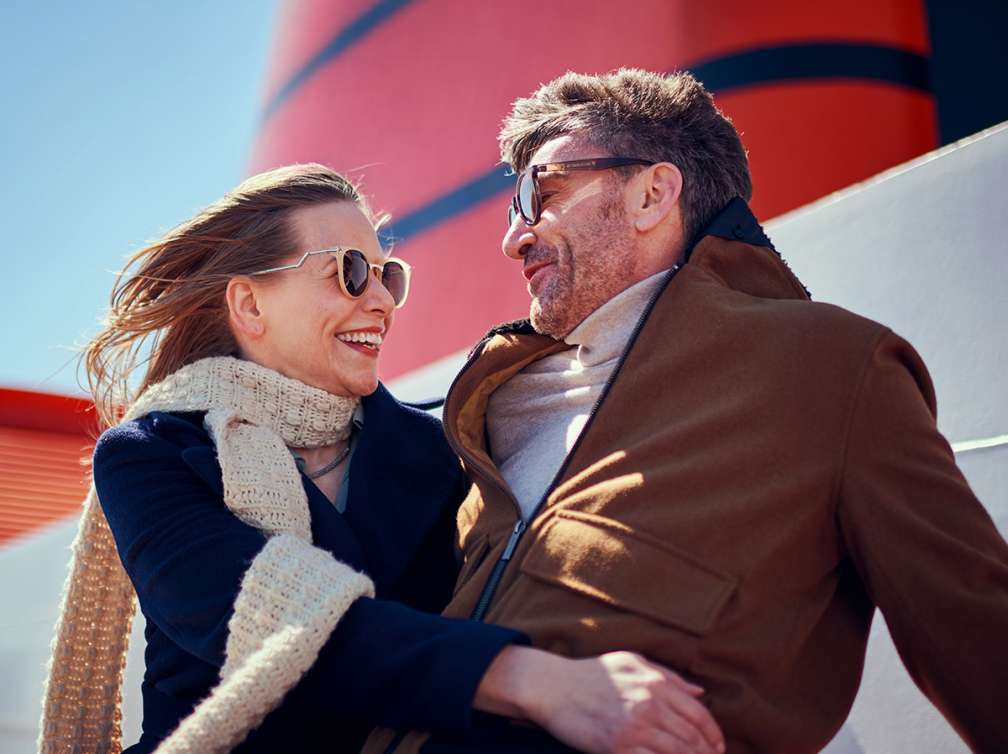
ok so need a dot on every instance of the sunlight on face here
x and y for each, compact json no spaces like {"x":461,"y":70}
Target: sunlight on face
{"x":313,"y":330}
{"x":580,"y":253}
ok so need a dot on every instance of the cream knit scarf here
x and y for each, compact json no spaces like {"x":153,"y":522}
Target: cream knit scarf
{"x":291,"y":597}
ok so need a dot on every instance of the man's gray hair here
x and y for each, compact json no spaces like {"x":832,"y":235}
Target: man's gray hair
{"x":636,"y":113}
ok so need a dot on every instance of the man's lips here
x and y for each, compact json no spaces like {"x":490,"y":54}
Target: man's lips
{"x":532,"y":269}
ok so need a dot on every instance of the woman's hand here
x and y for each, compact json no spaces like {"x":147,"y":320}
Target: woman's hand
{"x":616,"y":702}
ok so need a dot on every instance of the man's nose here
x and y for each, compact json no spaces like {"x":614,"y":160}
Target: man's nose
{"x":518,"y":238}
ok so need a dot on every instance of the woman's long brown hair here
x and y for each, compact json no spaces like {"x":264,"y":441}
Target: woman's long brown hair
{"x":168,"y":308}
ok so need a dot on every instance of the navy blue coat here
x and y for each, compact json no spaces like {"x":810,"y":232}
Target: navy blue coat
{"x":391,"y":661}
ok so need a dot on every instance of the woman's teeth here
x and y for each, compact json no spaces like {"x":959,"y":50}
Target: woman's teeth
{"x":366,"y":339}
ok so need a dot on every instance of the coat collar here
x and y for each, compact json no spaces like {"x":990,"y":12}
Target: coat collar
{"x":735,"y":222}
{"x":735,"y":250}
{"x":402,"y":475}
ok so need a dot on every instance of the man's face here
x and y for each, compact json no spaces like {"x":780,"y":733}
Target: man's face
{"x":580,"y":253}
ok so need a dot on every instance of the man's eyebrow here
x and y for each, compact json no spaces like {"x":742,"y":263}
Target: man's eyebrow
{"x":552,"y":177}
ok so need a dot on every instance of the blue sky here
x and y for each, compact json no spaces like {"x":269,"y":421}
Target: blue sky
{"x":119,"y":120}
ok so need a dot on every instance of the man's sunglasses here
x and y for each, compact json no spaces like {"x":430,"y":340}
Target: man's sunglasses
{"x":527,"y":199}
{"x":355,"y":271}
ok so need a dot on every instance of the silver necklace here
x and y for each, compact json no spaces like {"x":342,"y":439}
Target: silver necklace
{"x":324,"y":469}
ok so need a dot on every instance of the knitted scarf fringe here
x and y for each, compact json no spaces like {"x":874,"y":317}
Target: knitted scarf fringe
{"x":290,"y":599}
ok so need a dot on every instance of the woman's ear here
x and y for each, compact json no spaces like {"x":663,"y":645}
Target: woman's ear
{"x":243,"y":308}
{"x":658,"y":196}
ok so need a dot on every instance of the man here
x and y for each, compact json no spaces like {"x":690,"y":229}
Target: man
{"x":682,"y":456}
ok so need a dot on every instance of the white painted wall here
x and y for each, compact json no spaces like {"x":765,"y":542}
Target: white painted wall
{"x":32,"y":573}
{"x":920,"y":248}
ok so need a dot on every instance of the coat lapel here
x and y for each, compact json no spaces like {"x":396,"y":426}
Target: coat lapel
{"x":399,"y":484}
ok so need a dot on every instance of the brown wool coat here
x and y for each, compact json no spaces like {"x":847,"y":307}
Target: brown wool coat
{"x":761,"y":474}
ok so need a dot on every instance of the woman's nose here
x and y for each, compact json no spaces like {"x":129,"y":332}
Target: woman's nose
{"x":378,"y":295}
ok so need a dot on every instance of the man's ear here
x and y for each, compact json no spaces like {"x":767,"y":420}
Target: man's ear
{"x":243,"y":308}
{"x":659,"y":189}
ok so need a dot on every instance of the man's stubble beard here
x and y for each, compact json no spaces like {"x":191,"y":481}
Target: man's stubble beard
{"x":548,"y":305}
{"x":582,"y":283}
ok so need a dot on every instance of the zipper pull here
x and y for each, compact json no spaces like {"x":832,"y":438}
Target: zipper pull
{"x":513,"y":540}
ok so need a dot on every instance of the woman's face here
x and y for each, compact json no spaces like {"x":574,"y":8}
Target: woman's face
{"x":308,"y":322}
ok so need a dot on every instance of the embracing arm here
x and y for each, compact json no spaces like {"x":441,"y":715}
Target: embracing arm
{"x":187,"y":554}
{"x":927,"y":551}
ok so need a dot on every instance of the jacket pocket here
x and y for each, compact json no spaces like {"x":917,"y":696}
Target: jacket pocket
{"x":608,"y":561}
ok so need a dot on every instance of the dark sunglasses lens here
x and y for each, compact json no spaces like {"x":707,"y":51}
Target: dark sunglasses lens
{"x":355,"y":272}
{"x":526,"y":198}
{"x":512,"y":214}
{"x":395,"y":281}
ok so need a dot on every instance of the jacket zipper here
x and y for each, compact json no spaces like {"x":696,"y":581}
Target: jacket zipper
{"x":487,"y":595}
{"x":498,"y":570}
{"x":483,"y":603}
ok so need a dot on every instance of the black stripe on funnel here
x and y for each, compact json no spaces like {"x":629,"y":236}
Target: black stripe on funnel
{"x":814,"y":61}
{"x":818,"y":60}
{"x":353,"y":32}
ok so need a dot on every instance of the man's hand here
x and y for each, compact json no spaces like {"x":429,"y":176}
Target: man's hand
{"x":617,"y":702}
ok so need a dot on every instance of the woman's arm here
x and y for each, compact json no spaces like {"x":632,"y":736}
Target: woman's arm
{"x":186,"y":554}
{"x":184,"y":551}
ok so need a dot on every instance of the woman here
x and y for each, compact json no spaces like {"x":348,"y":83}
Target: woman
{"x":259,"y":472}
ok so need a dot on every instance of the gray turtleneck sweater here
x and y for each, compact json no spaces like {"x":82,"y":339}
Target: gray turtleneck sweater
{"x":535,"y":418}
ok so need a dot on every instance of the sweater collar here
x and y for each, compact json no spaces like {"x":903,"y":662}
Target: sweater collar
{"x":603,"y":334}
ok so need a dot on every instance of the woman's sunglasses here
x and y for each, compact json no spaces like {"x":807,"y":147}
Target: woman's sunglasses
{"x":527,"y":199}
{"x":355,"y":271}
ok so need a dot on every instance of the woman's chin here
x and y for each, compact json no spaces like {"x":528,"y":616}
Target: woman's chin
{"x":354,"y":387}
{"x":368,"y":386}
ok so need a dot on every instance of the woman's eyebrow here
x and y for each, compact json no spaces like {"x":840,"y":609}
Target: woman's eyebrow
{"x":328,"y":259}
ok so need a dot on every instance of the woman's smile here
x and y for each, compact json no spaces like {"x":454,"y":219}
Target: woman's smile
{"x":365,"y":341}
